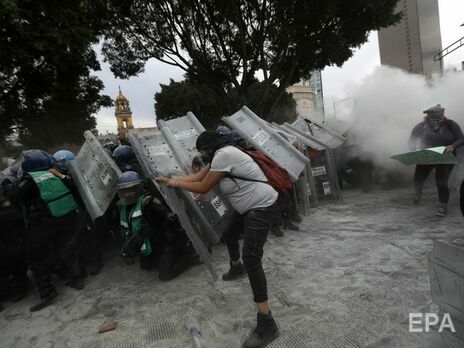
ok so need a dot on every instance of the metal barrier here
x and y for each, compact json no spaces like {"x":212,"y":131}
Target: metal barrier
{"x":263,"y":137}
{"x":95,"y":175}
{"x":302,"y":189}
{"x":446,"y":270}
{"x":325,"y":183}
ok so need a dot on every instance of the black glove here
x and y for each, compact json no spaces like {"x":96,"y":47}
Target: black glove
{"x":132,"y":247}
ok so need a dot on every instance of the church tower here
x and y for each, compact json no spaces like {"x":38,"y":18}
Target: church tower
{"x":123,"y":115}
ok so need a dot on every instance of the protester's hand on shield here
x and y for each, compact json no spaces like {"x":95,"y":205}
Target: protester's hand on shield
{"x":161,"y":179}
{"x":449,"y":148}
{"x":167,"y":181}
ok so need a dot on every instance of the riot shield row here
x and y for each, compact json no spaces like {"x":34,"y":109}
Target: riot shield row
{"x":169,"y":150}
{"x":307,"y":150}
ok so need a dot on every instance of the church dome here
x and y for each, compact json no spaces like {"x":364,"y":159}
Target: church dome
{"x":121,"y":97}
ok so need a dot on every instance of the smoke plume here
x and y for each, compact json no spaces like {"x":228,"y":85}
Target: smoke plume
{"x":388,"y":103}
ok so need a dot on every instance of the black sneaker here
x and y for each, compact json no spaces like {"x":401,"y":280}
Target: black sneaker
{"x":442,"y":211}
{"x":296,"y":217}
{"x":276,"y":231}
{"x":290,"y":225}
{"x":265,"y":332}
{"x":234,"y":272}
{"x":417,"y":198}
{"x":44,"y":301}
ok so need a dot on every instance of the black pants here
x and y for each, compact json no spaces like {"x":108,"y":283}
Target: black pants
{"x":256,"y":224}
{"x":13,"y":251}
{"x":442,"y":174}
{"x":173,"y":260}
{"x":90,"y":241}
{"x":59,"y":237}
{"x":172,"y":257}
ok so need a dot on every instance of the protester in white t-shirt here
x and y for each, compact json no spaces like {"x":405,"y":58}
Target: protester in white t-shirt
{"x":256,"y":206}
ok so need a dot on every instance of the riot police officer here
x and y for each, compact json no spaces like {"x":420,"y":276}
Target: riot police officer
{"x":150,"y":230}
{"x":48,"y":192}
{"x":89,"y":238}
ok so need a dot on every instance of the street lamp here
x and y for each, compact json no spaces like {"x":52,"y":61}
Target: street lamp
{"x":337,"y":102}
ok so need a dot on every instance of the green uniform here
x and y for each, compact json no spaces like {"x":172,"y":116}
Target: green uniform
{"x":132,"y":222}
{"x":54,"y":193}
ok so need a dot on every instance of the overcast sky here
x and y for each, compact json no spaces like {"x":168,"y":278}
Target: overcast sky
{"x":140,"y":90}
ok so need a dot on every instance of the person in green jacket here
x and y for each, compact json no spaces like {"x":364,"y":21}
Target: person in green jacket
{"x":53,"y":225}
{"x":150,"y":230}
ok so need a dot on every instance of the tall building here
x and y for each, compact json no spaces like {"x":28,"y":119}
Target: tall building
{"x":308,"y":97}
{"x":315,"y":82}
{"x":411,"y":44}
{"x":123,"y":115}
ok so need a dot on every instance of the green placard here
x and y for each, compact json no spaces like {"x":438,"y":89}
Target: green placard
{"x":433,"y":155}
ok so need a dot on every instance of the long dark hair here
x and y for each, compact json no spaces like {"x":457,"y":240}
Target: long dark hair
{"x":211,"y":142}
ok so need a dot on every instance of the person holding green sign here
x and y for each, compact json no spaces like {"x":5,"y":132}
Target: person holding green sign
{"x":436,"y":130}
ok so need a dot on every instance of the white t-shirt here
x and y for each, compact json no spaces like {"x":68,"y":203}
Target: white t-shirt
{"x":243,"y":195}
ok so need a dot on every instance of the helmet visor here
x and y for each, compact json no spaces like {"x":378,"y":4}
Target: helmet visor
{"x":129,"y":195}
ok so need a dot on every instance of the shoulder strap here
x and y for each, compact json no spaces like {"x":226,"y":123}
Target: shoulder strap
{"x":242,"y":177}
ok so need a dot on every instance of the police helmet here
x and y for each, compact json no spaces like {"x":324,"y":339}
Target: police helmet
{"x":234,"y":137}
{"x":223,"y":130}
{"x":123,"y":155}
{"x":129,"y":186}
{"x":35,"y":160}
{"x":64,"y":156}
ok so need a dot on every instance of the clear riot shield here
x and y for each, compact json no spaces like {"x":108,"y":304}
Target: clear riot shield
{"x":323,"y":165}
{"x":263,"y":137}
{"x":213,"y":210}
{"x":330,"y":138}
{"x":95,"y":174}
{"x":158,"y":158}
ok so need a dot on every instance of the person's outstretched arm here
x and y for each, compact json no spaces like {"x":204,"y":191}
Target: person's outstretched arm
{"x":201,"y":187}
{"x":197,"y":177}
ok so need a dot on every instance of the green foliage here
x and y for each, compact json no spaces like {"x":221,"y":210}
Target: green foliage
{"x":226,"y":44}
{"x":177,"y":98}
{"x":48,"y":95}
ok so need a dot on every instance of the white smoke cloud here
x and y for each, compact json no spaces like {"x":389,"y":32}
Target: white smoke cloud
{"x":388,"y":103}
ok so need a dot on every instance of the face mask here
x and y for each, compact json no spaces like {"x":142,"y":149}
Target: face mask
{"x":435,"y":123}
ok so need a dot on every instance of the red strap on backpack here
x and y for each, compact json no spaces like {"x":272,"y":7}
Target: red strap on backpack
{"x":276,"y":176}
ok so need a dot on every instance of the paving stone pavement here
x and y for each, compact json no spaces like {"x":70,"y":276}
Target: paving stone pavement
{"x":348,"y":278}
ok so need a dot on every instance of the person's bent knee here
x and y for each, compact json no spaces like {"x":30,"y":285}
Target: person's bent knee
{"x":252,"y":263}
